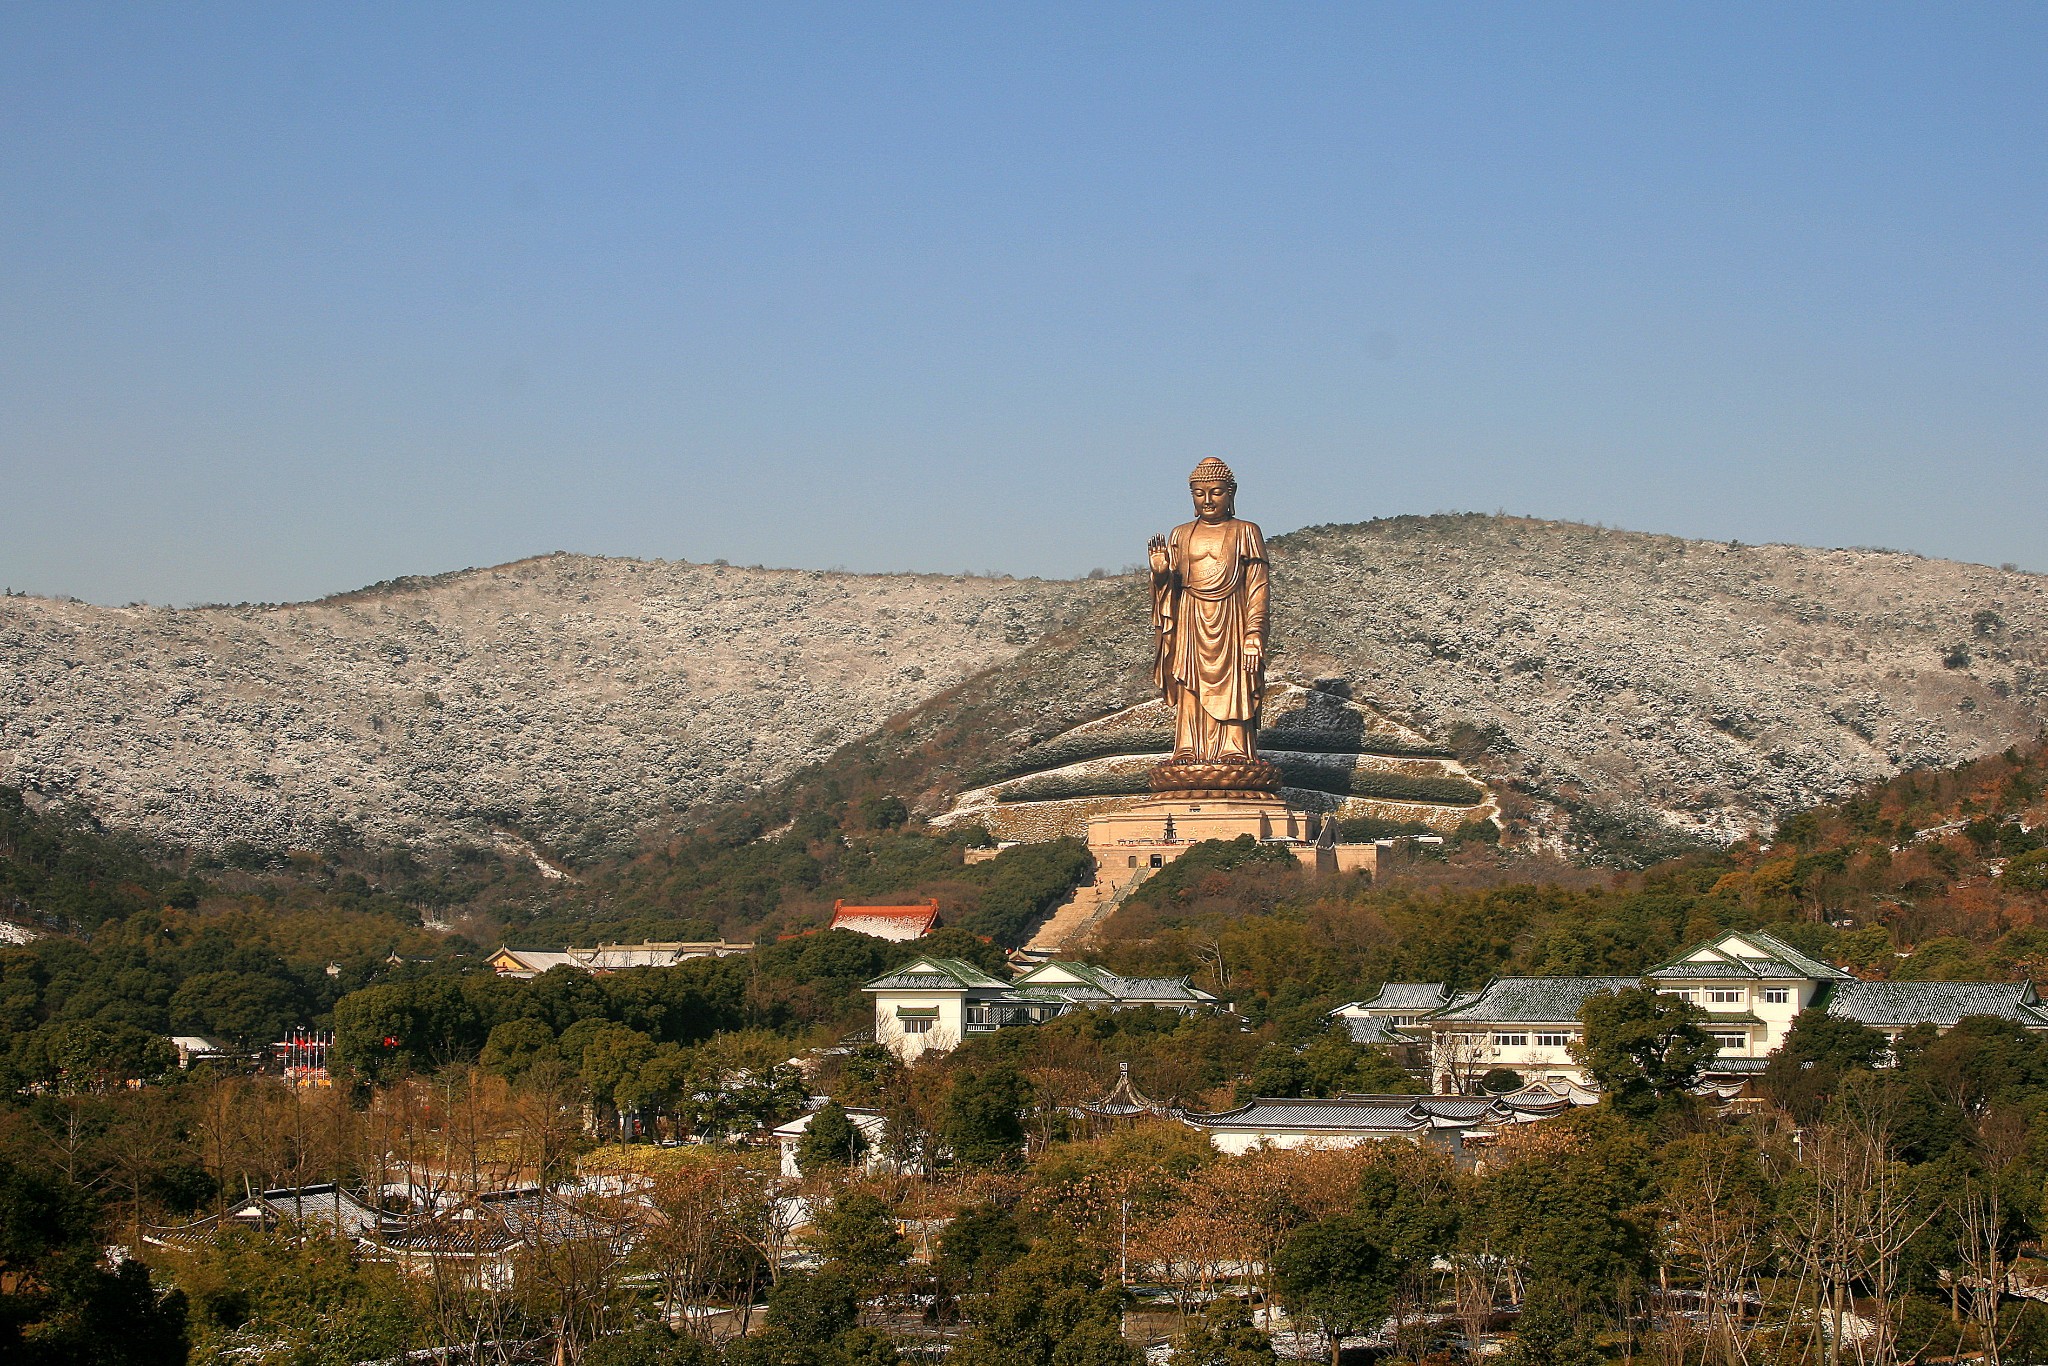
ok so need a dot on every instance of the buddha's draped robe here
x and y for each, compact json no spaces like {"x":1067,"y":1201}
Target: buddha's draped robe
{"x":1203,"y":612}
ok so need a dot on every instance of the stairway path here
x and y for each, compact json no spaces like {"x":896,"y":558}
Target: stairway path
{"x":1073,"y":919}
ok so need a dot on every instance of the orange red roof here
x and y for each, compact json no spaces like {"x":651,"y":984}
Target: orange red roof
{"x":896,"y":923}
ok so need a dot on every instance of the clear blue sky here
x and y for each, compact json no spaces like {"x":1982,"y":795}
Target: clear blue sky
{"x":296,"y":297}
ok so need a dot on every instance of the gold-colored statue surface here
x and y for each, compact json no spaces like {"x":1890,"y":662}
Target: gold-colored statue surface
{"x":1209,"y":612}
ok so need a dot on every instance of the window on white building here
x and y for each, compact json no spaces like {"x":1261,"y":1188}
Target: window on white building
{"x":1726,"y":996}
{"x":1676,"y":994}
{"x":1777,"y":996}
{"x":1402,"y":1021}
{"x":1511,"y":1041}
{"x":917,"y":1025}
{"x":1731,"y":1043}
{"x":977,"y":1014}
{"x":1552,"y":1040}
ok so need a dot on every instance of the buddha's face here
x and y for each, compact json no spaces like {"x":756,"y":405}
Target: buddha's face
{"x":1214,"y":500}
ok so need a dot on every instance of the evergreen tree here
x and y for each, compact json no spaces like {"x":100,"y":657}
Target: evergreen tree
{"x":1642,"y":1048}
{"x":830,"y":1141}
{"x":1803,"y":1074}
{"x":976,"y":1247}
{"x":984,"y":1124}
{"x":1336,"y":1274}
{"x":59,"y":1303}
{"x":860,"y":1242}
{"x":1049,"y":1308}
{"x":1223,"y":1336}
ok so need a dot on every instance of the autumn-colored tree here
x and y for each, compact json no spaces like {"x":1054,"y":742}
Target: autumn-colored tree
{"x":704,"y":1242}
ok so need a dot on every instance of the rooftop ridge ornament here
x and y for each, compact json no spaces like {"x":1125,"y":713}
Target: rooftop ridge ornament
{"x":1209,"y":615}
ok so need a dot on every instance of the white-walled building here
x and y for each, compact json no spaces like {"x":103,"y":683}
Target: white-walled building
{"x":1398,"y":1009}
{"x":924,"y":1006}
{"x":1752,"y":986}
{"x":1349,"y":1121}
{"x":869,"y":1123}
{"x":1526,"y":1024}
{"x":526,"y":964}
{"x":932,"y":1004}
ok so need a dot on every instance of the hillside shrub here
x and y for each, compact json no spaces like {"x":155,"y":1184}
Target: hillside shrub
{"x":1076,"y":749}
{"x":1392,"y":787}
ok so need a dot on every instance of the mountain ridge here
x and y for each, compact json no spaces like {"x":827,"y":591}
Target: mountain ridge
{"x":571,"y":697}
{"x":1698,"y":687}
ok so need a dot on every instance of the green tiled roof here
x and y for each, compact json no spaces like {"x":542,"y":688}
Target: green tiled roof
{"x":1775,"y":960}
{"x":946,"y":974}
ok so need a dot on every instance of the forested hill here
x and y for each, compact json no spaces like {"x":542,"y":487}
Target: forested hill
{"x":1941,"y":875}
{"x":1637,"y":681}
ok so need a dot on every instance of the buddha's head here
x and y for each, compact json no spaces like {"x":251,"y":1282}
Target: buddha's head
{"x":1215,"y":491}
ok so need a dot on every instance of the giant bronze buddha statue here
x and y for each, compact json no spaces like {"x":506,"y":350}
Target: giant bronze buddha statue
{"x":1209,"y":614}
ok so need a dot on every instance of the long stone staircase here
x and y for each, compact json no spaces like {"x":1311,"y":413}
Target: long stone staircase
{"x":1073,"y":920}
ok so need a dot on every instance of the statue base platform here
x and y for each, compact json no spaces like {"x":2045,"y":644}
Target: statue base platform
{"x":1173,"y":821}
{"x":1246,"y":777}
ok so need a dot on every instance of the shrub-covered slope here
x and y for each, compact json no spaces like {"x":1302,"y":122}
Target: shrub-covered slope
{"x":571,"y":698}
{"x":1647,"y":682}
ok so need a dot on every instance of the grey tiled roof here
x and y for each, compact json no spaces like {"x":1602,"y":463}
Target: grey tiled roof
{"x":1437,"y":1107}
{"x":1529,"y":1105}
{"x":1112,"y":986}
{"x":1125,"y":1100}
{"x":1372,"y":1029}
{"x":1283,"y":1113}
{"x":1735,"y":1067}
{"x":1359,"y":1113}
{"x":1531,"y":1000}
{"x":323,"y":1205}
{"x":1155,"y":989}
{"x":1937,"y":1003}
{"x":1404,"y":996}
{"x":542,"y":1216}
{"x":1063,"y":991}
{"x":1100,"y":984}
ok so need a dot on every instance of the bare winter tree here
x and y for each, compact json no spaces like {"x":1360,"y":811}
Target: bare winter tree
{"x":1716,"y":1234}
{"x":700,"y":1239}
{"x":1459,"y":1060}
{"x":1850,"y":1218}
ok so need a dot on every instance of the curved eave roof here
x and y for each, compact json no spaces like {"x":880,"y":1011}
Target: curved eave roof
{"x":1903,"y":1004}
{"x":1531,"y":1000}
{"x":1313,"y":1116}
